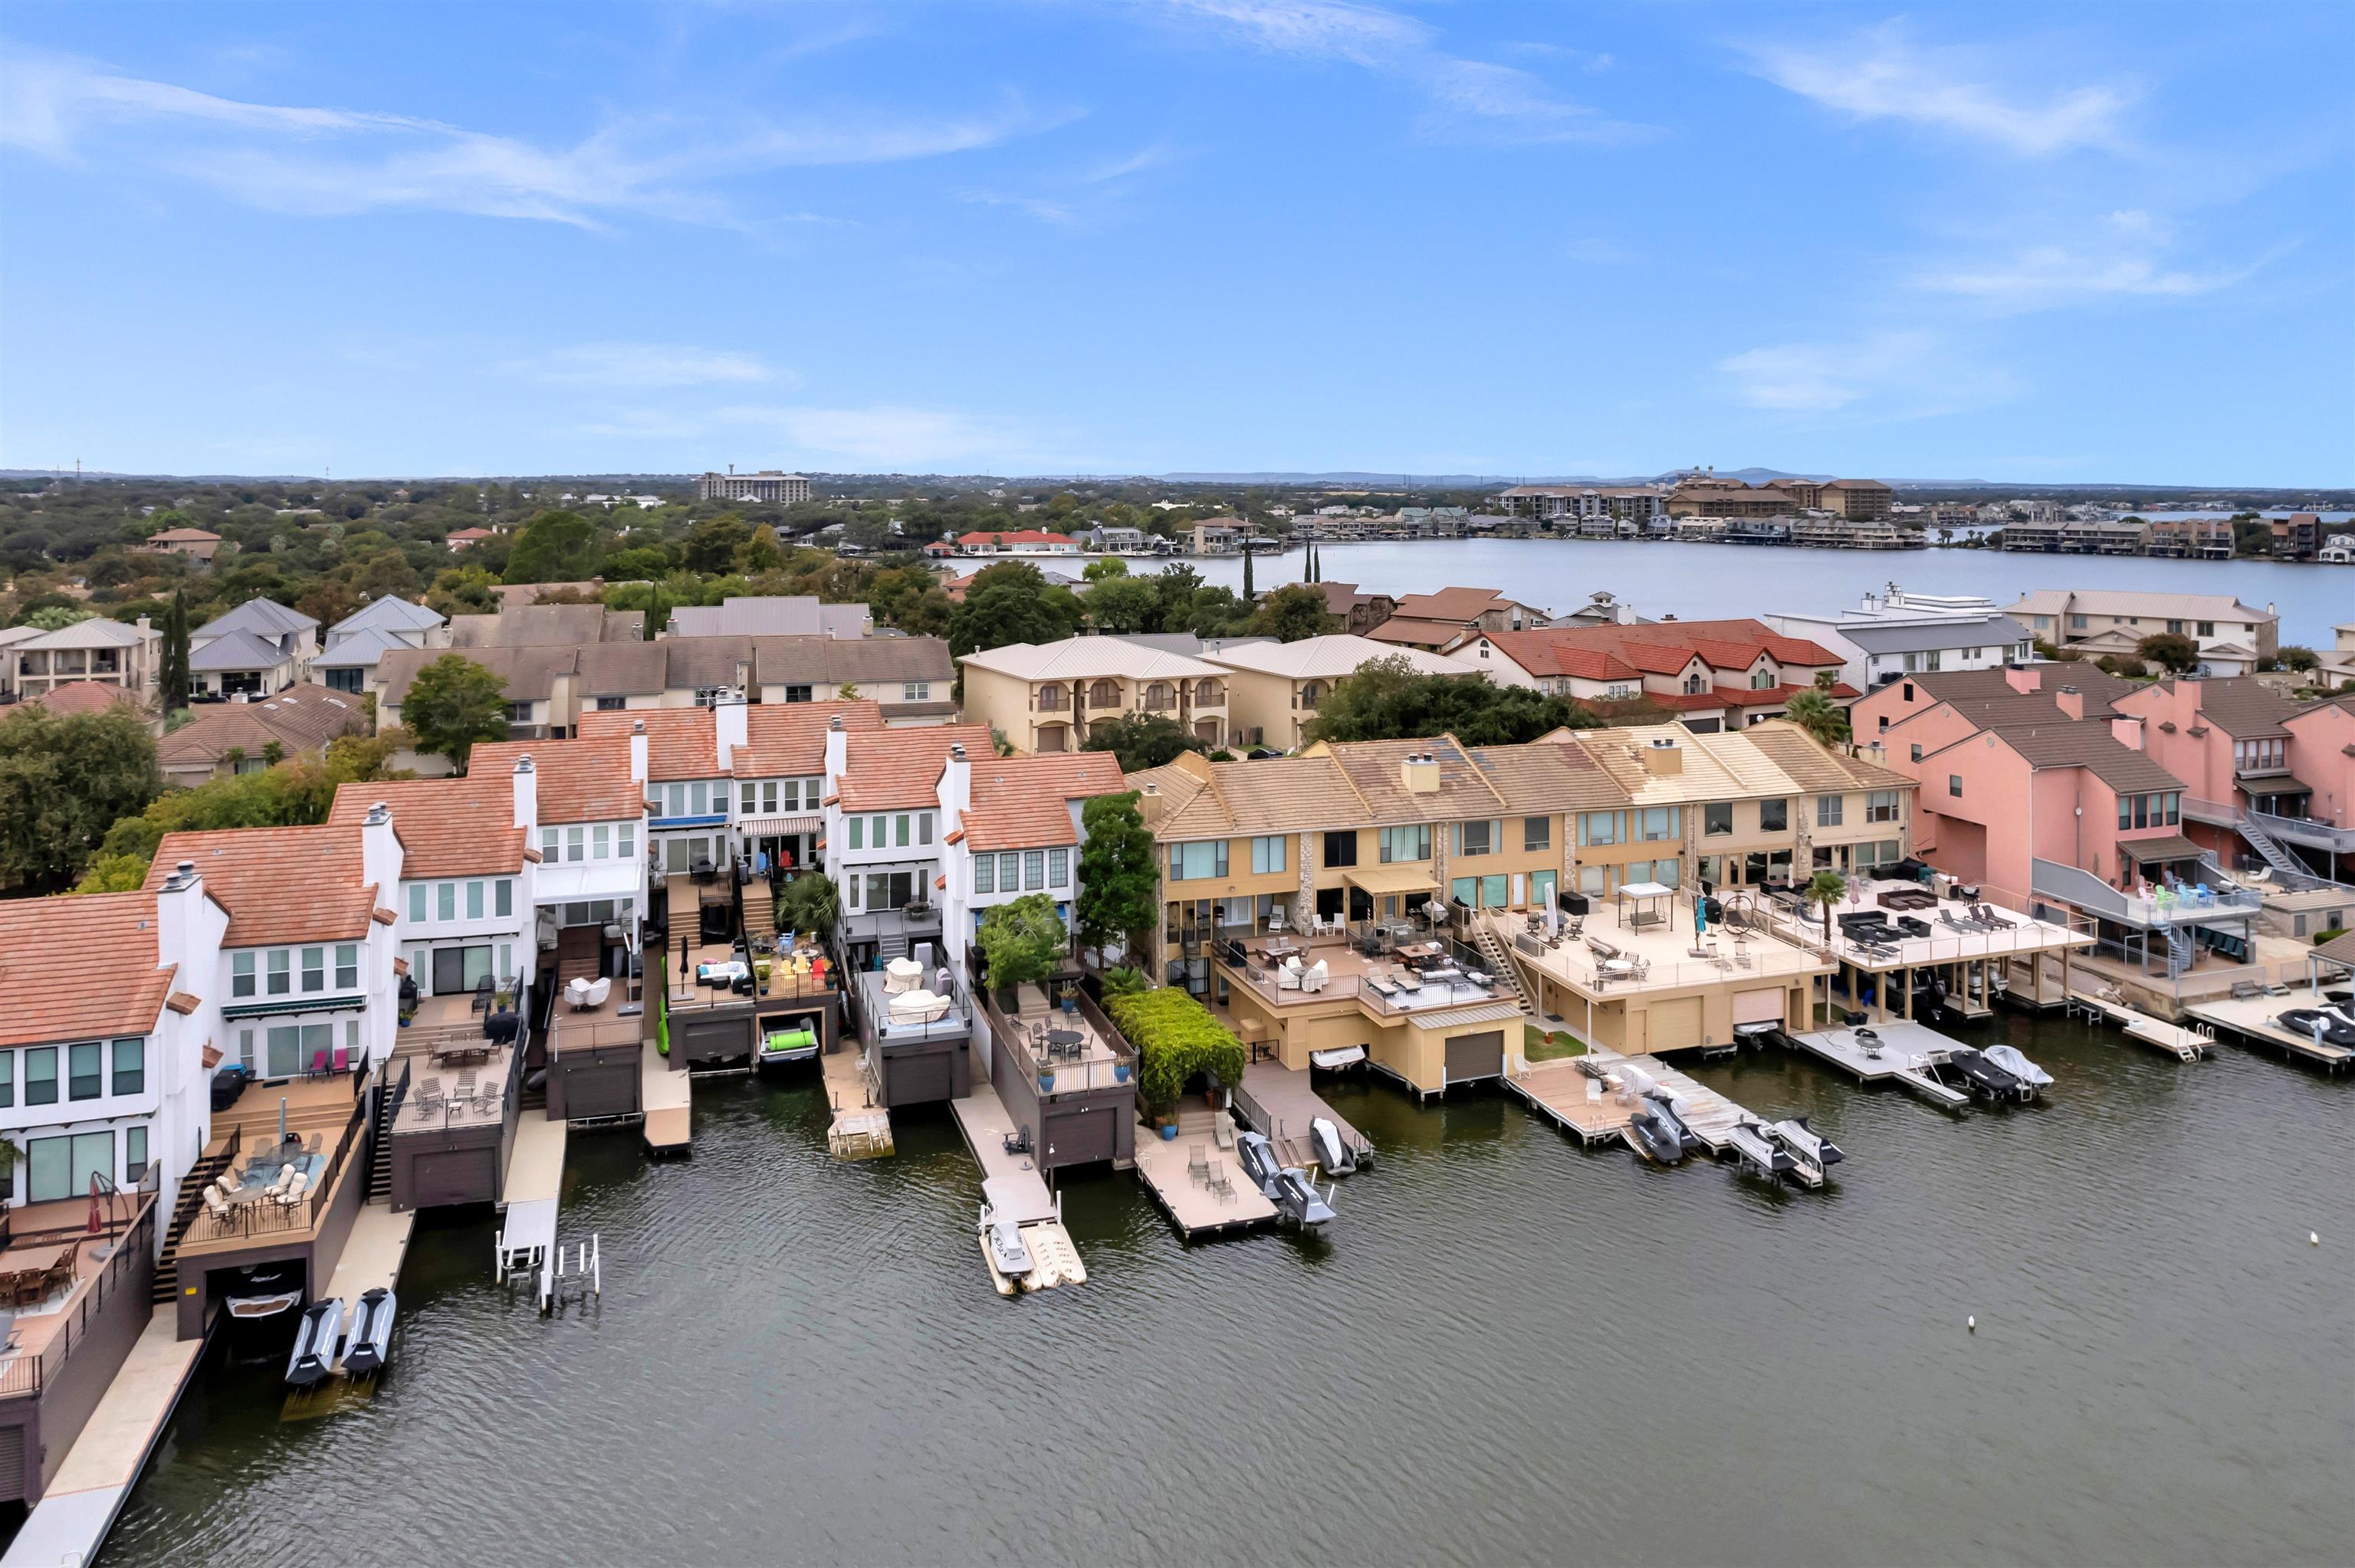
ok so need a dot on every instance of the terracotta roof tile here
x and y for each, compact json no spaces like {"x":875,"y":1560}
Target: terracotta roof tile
{"x":899,"y":770}
{"x":75,"y":967}
{"x":447,"y":827}
{"x":279,"y":885}
{"x":580,"y":781}
{"x":788,"y":739}
{"x":681,"y":743}
{"x":1024,"y":802}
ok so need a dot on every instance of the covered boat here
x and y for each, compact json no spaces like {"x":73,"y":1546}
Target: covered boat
{"x":2009,"y":1059}
{"x":369,"y":1345}
{"x":316,"y":1339}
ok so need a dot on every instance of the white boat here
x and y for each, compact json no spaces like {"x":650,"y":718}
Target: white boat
{"x":264,"y":1291}
{"x":1812,"y":1154}
{"x":1332,"y":1153}
{"x":1010,"y":1262}
{"x":316,"y":1339}
{"x":370,"y":1344}
{"x":1758,"y":1151}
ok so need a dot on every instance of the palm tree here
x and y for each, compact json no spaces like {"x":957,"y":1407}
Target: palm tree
{"x":1824,"y":720}
{"x":1825,"y":888}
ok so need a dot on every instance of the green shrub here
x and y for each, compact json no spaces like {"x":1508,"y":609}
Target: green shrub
{"x":2330,"y":936}
{"x":1122,"y":981}
{"x":1176,"y":1037}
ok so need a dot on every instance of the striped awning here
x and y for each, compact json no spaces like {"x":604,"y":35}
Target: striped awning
{"x":772,"y":827}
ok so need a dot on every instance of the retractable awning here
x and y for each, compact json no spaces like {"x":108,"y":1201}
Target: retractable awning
{"x":1407,"y":876}
{"x":772,"y":827}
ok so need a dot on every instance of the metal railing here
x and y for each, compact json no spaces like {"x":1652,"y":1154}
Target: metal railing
{"x":2050,"y":879}
{"x":876,"y":1027}
{"x":26,"y":1376}
{"x":1060,"y":1074}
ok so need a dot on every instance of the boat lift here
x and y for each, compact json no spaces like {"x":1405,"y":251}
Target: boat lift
{"x":583,"y":1274}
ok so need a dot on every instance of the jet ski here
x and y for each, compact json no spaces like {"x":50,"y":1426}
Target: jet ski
{"x":1669,"y":1107}
{"x":2322,"y":1027}
{"x":1982,"y":1077}
{"x":1758,"y":1151}
{"x":316,"y":1339}
{"x":2008,"y":1058}
{"x":1286,"y":1186}
{"x":1332,"y":1154}
{"x":1812,"y":1154}
{"x":370,"y":1345}
{"x":265,"y":1291}
{"x":1655,"y":1134}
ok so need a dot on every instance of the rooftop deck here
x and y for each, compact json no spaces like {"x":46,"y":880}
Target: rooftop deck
{"x":1949,"y":939}
{"x":1079,"y":1052}
{"x":1395,"y":983}
{"x":880,"y":1023}
{"x":620,"y":1020}
{"x":53,"y":1277}
{"x":1616,"y":954}
{"x":320,"y":1119}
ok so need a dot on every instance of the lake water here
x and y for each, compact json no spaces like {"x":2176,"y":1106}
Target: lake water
{"x":1696,"y":582}
{"x":1508,"y":1350}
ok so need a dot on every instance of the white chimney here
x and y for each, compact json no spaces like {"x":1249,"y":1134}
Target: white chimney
{"x":527,"y":793}
{"x":956,"y":787}
{"x":638,"y":750}
{"x":729,"y":727}
{"x":177,"y":927}
{"x":380,"y":853}
{"x":837,"y":751}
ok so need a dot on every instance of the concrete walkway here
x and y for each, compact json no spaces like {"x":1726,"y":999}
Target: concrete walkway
{"x":372,"y":1253}
{"x":667,"y":1099}
{"x":64,"y":1529}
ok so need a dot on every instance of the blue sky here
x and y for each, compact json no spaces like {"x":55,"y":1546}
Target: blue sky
{"x":2034,"y":243}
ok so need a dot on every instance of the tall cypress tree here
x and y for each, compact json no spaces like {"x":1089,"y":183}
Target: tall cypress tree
{"x":172,"y":675}
{"x":1247,"y":572}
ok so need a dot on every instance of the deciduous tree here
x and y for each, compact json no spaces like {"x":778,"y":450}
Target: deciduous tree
{"x":452,"y":704}
{"x":63,"y":782}
{"x":1120,"y":875}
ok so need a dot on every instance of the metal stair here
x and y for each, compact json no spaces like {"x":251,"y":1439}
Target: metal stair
{"x":184,"y":1213}
{"x":1500,"y":960}
{"x":388,"y":1099}
{"x":2179,"y":950}
{"x":2270,"y":849}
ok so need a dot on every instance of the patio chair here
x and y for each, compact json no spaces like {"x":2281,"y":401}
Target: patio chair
{"x":294,"y":1191}
{"x":1198,"y":1163}
{"x":311,"y":1144}
{"x":215,"y":1204}
{"x":1221,"y":1184}
{"x":1316,"y":976}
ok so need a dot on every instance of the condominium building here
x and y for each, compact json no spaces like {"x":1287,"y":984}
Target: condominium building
{"x":1549,"y":502}
{"x":1051,"y":696}
{"x":1275,"y":689}
{"x":2231,"y":636}
{"x":1715,"y":674}
{"x":106,"y":652}
{"x":259,"y":648}
{"x":770,"y":485}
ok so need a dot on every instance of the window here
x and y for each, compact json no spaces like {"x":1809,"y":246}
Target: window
{"x":1059,"y":868}
{"x":240,"y":965}
{"x":1829,"y":809}
{"x":1404,"y":843}
{"x":1773,"y":816}
{"x":519,"y":713}
{"x":1536,"y":833}
{"x":626,"y":840}
{"x":1311,"y":693}
{"x":446,"y":900}
{"x":7,"y":1079}
{"x":1883,"y":805}
{"x":1341,"y":848}
{"x":549,"y":852}
{"x":1196,"y":860}
{"x":1009,"y":872}
{"x":2207,"y":628}
{"x":1034,"y":870}
{"x":2174,"y":807}
{"x":416,"y":908}
{"x":2076,"y":623}
{"x":923,"y":827}
{"x":1716,"y":818}
{"x":985,"y":874}
{"x":1954,"y":785}
{"x":474,"y":900}
{"x":1916,"y":751}
{"x":130,"y":1066}
{"x":85,"y":1081}
{"x":57,"y":1168}
{"x":315,"y":970}
{"x":576,"y":841}
{"x":1598,"y":827}
{"x":1761,"y":680}
{"x":41,"y":1076}
{"x":1267,"y":854}
{"x":1478,"y":838}
{"x":1882,"y":852}
{"x":281,"y":972}
{"x":797,"y":693}
{"x":1653,"y":824}
{"x":858,"y":832}
{"x":612,"y":705}
{"x":135,"y":1155}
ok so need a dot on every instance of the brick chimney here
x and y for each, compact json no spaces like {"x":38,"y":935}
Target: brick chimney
{"x":2026,"y":681}
{"x":2070,"y":701}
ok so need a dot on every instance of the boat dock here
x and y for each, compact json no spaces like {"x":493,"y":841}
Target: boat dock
{"x":1195,"y":1179}
{"x":668,"y":1098}
{"x":1280,"y":1102}
{"x":983,"y":1118}
{"x":372,"y":1253}
{"x":527,"y":1235}
{"x":2252,"y":1018}
{"x":1904,"y":1046}
{"x":1589,"y":1110}
{"x":65,"y":1527}
{"x":861,"y":1130}
{"x":2184,"y":1044}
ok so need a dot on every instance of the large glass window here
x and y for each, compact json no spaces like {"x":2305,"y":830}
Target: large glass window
{"x":1653,"y":824}
{"x":1773,"y":816}
{"x":284,"y":1046}
{"x":60,"y":1168}
{"x":1598,"y":827}
{"x":130,"y":1066}
{"x":1190,"y":861}
{"x":1059,"y":868}
{"x":1405,"y":843}
{"x":86,"y":1079}
{"x":240,"y":965}
{"x":1883,"y":805}
{"x":1341,"y":848}
{"x":1828,"y":810}
{"x":1034,"y":870}
{"x":1267,"y":854}
{"x":1716,"y":817}
{"x":1536,"y":833}
{"x":1477,"y":838}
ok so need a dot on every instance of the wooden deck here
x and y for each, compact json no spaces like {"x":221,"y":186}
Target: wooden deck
{"x":1281,"y":1102}
{"x":1193,"y":1207}
{"x":668,"y":1099}
{"x":373,"y":1253}
{"x":2252,"y":1018}
{"x":535,"y":1181}
{"x":1577,"y":1104}
{"x":861,"y":1130}
{"x":2184,"y":1044}
{"x":1904,"y":1045}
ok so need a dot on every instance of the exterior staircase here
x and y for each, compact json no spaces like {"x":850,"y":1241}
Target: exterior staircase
{"x":1499,"y":961}
{"x":184,"y":1213}
{"x":2270,"y":849}
{"x":389,"y":1095}
{"x":2179,"y":952}
{"x":759,"y":913}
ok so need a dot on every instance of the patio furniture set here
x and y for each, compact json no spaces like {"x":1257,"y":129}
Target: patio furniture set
{"x":278,"y":1177}
{"x":1211,"y":1174}
{"x":31,"y":1277}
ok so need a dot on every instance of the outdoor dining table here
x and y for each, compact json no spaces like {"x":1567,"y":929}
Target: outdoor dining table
{"x":1065,"y":1042}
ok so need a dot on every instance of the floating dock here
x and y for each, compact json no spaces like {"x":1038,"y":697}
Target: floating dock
{"x":1280,"y":1102}
{"x":2184,"y":1044}
{"x":527,"y":1235}
{"x":66,"y":1527}
{"x":983,"y":1118}
{"x":1590,"y":1111}
{"x":861,"y":1130}
{"x":1904,"y":1048}
{"x":1216,"y":1199}
{"x":668,"y":1100}
{"x":2252,"y":1018}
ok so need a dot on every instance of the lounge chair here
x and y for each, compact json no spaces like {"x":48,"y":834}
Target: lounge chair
{"x":1198,"y":1163}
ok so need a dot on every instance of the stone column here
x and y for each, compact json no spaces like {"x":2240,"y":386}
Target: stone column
{"x":1304,"y":906}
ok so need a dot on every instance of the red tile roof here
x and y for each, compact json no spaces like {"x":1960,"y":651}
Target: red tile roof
{"x":75,"y":967}
{"x":681,"y":743}
{"x":580,"y":781}
{"x":1024,"y":802}
{"x":447,"y":827}
{"x":785,"y":738}
{"x":279,"y":885}
{"x":82,"y":697}
{"x":1013,"y":536}
{"x":1551,"y":651}
{"x":899,"y":770}
{"x":1666,"y":646}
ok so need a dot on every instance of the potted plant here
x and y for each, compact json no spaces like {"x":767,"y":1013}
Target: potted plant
{"x":1120,"y":1072}
{"x":1046,"y":1080}
{"x":760,"y":975}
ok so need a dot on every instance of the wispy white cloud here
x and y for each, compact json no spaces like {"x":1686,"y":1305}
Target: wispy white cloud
{"x":647,"y":366}
{"x":1081,"y":199}
{"x":326,"y":162}
{"x":1879,"y":74}
{"x":1465,"y":98}
{"x":1059,"y":214}
{"x":1906,"y":374}
{"x":2122,"y":257}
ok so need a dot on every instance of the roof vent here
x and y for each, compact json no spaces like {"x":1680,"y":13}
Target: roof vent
{"x":187,"y":868}
{"x":834,"y":723}
{"x":637,"y":727}
{"x":523,"y":763}
{"x":380,"y":814}
{"x":956,"y":750}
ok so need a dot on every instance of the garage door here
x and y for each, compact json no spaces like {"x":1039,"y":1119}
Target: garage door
{"x":595,"y":1089}
{"x":716,"y":1038}
{"x":1673,"y":1024}
{"x":11,"y":1464}
{"x":920,"y":1079}
{"x":1082,"y":1138}
{"x":1471,"y":1056}
{"x":1758,"y":1006}
{"x":453,"y":1176}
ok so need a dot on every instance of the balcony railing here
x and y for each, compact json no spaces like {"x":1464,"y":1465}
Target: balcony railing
{"x":2071,"y":885}
{"x":27,"y":1376}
